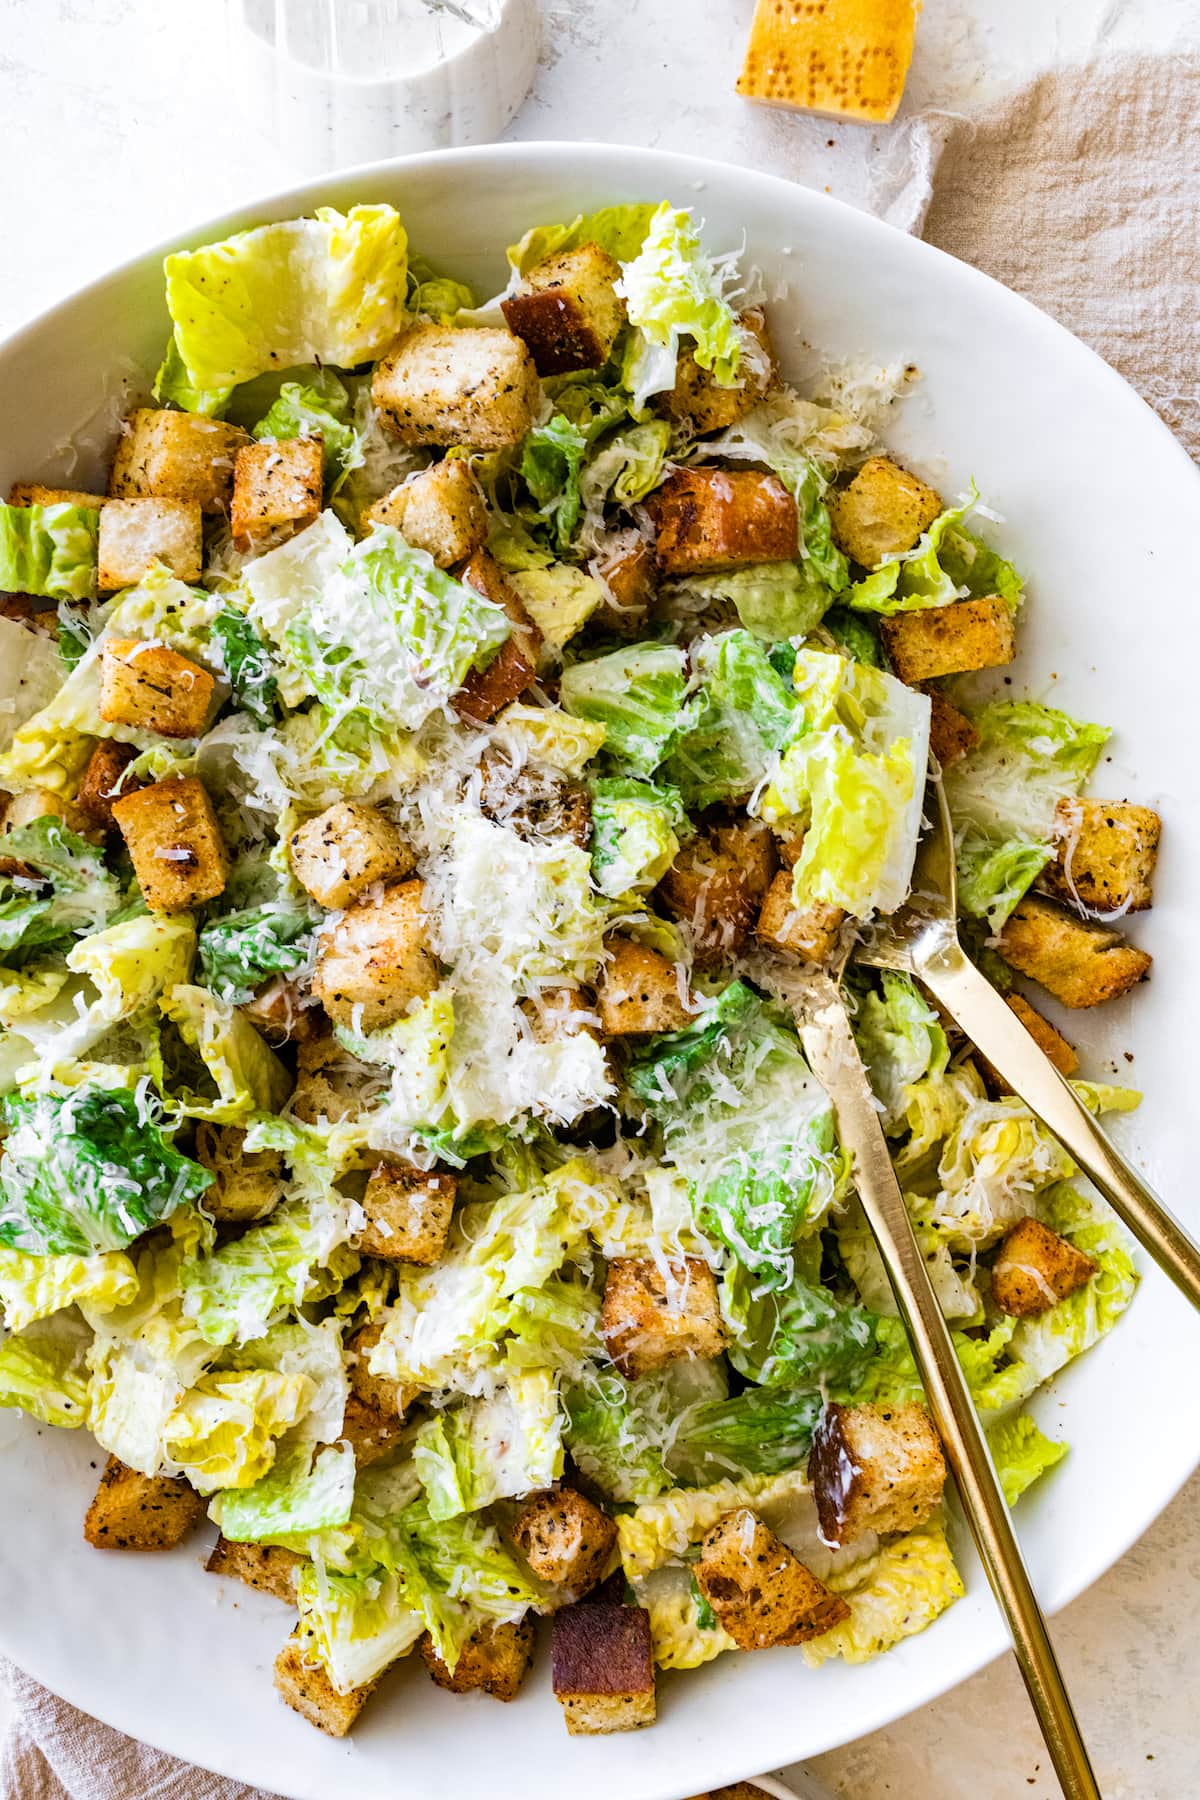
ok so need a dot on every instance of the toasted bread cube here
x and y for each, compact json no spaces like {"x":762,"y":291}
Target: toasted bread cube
{"x":101,"y":783}
{"x":147,"y":687}
{"x":874,"y":1468}
{"x":789,"y":842}
{"x":371,"y":1435}
{"x":346,"y":849}
{"x":408,"y":1214}
{"x":810,"y":932}
{"x":176,"y":456}
{"x":603,"y":1667}
{"x":330,"y":1082}
{"x":172,"y":834}
{"x":390,"y":1399}
{"x":276,"y":484}
{"x":697,"y":397}
{"x":712,"y":890}
{"x":648,"y":1320}
{"x":1035,"y":1268}
{"x":441,"y":510}
{"x":140,"y":1512}
{"x":494,"y":1660}
{"x":638,"y":992}
{"x":565,"y":1539}
{"x":489,"y":690}
{"x":626,"y":568}
{"x":439,"y":384}
{"x":882,"y":512}
{"x":35,"y":493}
{"x":308,"y":1690}
{"x":1043,"y":1033}
{"x":534,"y":800}
{"x":137,"y":534}
{"x":712,"y":519}
{"x":559,"y":1012}
{"x":951,"y":733}
{"x":751,"y":844}
{"x":1078,"y":961}
{"x":246,"y":1183}
{"x":374,"y":961}
{"x":268,"y":1567}
{"x":277,"y":1011}
{"x":1106,"y":852}
{"x":949,"y":640}
{"x":761,"y":1593}
{"x":568,"y":311}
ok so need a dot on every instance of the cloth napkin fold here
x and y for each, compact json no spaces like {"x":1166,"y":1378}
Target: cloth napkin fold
{"x":1082,"y":192}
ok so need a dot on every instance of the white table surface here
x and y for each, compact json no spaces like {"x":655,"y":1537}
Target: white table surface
{"x":119,"y":127}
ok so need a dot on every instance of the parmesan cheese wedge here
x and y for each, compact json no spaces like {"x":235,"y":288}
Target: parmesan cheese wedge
{"x":847,"y":59}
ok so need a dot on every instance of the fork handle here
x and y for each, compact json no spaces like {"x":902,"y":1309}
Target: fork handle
{"x":973,"y":1002}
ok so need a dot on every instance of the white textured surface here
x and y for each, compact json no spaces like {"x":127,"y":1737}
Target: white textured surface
{"x":119,"y":116}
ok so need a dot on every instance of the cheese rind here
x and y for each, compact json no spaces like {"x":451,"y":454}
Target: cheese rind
{"x":847,"y":59}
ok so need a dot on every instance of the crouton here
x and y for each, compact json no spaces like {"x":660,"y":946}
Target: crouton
{"x":568,"y":311}
{"x":390,"y":1399}
{"x":535,"y":801}
{"x":101,"y":783}
{"x":1106,"y":852}
{"x":494,"y":1660}
{"x":565,"y":1539}
{"x":26,"y":808}
{"x":811,"y":932}
{"x":330,"y":1083}
{"x":370,"y":1434}
{"x":789,"y":842}
{"x":1052,"y":1042}
{"x":276,"y":485}
{"x":638,"y":992}
{"x":559,"y":1012}
{"x":140,"y":1512}
{"x":698,"y":398}
{"x":441,"y":510}
{"x":626,"y":569}
{"x":949,"y":640}
{"x":760,"y":1592}
{"x":439,"y":384}
{"x":489,"y":690}
{"x":176,"y":456}
{"x":874,"y":1468}
{"x":374,"y":961}
{"x":146,"y":687}
{"x":603,"y":1667}
{"x":246,"y":1183}
{"x":267,"y":1567}
{"x":882,"y":512}
{"x":408,"y":1214}
{"x":35,"y":493}
{"x":172,"y":835}
{"x":750,"y":844}
{"x":711,"y":889}
{"x":649,"y":1320}
{"x":1077,"y":960}
{"x":1035,"y":1269}
{"x":308,"y":1690}
{"x":346,"y":849}
{"x":951,"y":733}
{"x":137,"y":534}
{"x":711,"y":519}
{"x":277,"y":1012}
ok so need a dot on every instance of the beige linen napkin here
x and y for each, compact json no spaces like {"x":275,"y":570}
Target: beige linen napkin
{"x":1081,"y":192}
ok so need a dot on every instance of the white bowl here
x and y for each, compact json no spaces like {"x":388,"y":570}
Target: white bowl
{"x":1103,"y":509}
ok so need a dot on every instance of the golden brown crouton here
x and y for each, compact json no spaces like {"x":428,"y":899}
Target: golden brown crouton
{"x":408,"y":1214}
{"x":489,"y":690}
{"x":441,"y":510}
{"x":717,"y":892}
{"x":760,"y":1592}
{"x":1106,"y":852}
{"x":750,"y":844}
{"x":275,"y":484}
{"x":494,"y":1660}
{"x":308,"y":1690}
{"x":330,"y":1082}
{"x":370,"y":1434}
{"x":146,"y":687}
{"x":374,"y":961}
{"x":874,"y":1468}
{"x":246,"y":1183}
{"x":346,"y":849}
{"x":534,"y":800}
{"x":568,"y":311}
{"x":638,"y":991}
{"x":1078,"y":961}
{"x":1047,"y":1039}
{"x":172,"y":834}
{"x":35,"y":493}
{"x":443,"y":385}
{"x":951,"y":733}
{"x":710,"y":519}
{"x":176,"y":456}
{"x":1035,"y":1269}
{"x":740,"y":1790}
{"x":789,"y":841}
{"x":626,"y":569}
{"x":648,"y":1320}
{"x":565,"y":1539}
{"x":101,"y":783}
{"x":389,"y":1398}
{"x":603,"y":1667}
{"x":136,"y":534}
{"x":140,"y":1512}
{"x":267,"y":1567}
{"x":696,"y":396}
{"x":277,"y":1012}
{"x":882,"y":512}
{"x":811,"y":932}
{"x":949,"y":640}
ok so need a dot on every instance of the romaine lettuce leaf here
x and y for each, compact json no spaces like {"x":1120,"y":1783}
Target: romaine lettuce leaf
{"x":247,"y":663}
{"x":892,"y":1595}
{"x":320,"y":408}
{"x":900,"y":1041}
{"x":738,"y":718}
{"x":245,"y":1071}
{"x":354,"y":1625}
{"x":671,"y":290}
{"x":32,"y":1287}
{"x":1021,"y":1453}
{"x":135,"y":961}
{"x":798,"y":1336}
{"x":42,"y":1373}
{"x":221,"y":1432}
{"x":83,"y":894}
{"x":636,"y":694}
{"x":636,"y":827}
{"x":761,"y":1431}
{"x":300,"y":1495}
{"x":549,"y":735}
{"x":949,"y":563}
{"x":244,"y":949}
{"x":298,"y":1254}
{"x":551,"y":460}
{"x":615,"y":1437}
{"x":49,"y":550}
{"x":1048,"y":1341}
{"x":621,"y":230}
{"x":504,"y":1445}
{"x":560,"y":599}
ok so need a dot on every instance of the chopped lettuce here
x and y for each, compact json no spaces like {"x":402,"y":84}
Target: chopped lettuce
{"x":506,"y":1444}
{"x":892,"y":1595}
{"x":636,"y":695}
{"x":31,"y":673}
{"x":739,"y":717}
{"x":1047,"y":1341}
{"x":49,"y":550}
{"x":244,"y":949}
{"x":663,"y":1529}
{"x":248,"y":664}
{"x":83,"y":894}
{"x":560,"y":599}
{"x":614,"y":1436}
{"x":354,"y":1625}
{"x":900,"y":1041}
{"x":551,"y":460}
{"x":300,"y":1495}
{"x":320,"y":408}
{"x":246,"y":1074}
{"x":549,"y":735}
{"x":221,"y":1433}
{"x":1021,"y":1453}
{"x":774,"y":600}
{"x":672,"y":290}
{"x":796,"y":1336}
{"x":621,"y":230}
{"x":296,"y":1255}
{"x":32,"y":1287}
{"x":136,"y":960}
{"x":949,"y":563}
{"x":42,"y":1374}
{"x":761,"y":1431}
{"x":636,"y":827}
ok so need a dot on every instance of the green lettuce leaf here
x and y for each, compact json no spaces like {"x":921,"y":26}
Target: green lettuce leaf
{"x":248,"y":664}
{"x":1021,"y":1454}
{"x":773,"y":600}
{"x":761,"y":1431}
{"x":892,"y":1595}
{"x":238,"y":1292}
{"x":246,"y":1073}
{"x":1049,"y":1340}
{"x":354,"y":1625}
{"x":172,"y":387}
{"x":551,"y":460}
{"x":82,"y":892}
{"x":740,"y":715}
{"x":320,"y":408}
{"x":436,"y":296}
{"x":621,"y":230}
{"x":506,"y":1444}
{"x":302,"y":1494}
{"x":49,"y":550}
{"x":798,"y":1336}
{"x":949,"y":563}
{"x":222,"y":1432}
{"x":132,"y":963}
{"x":673,"y":290}
{"x":614,"y":1437}
{"x":244,"y":949}
{"x":33,"y":1287}
{"x":42,"y":1373}
{"x":900,"y":1041}
{"x":636,"y":694}
{"x":636,"y":828}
